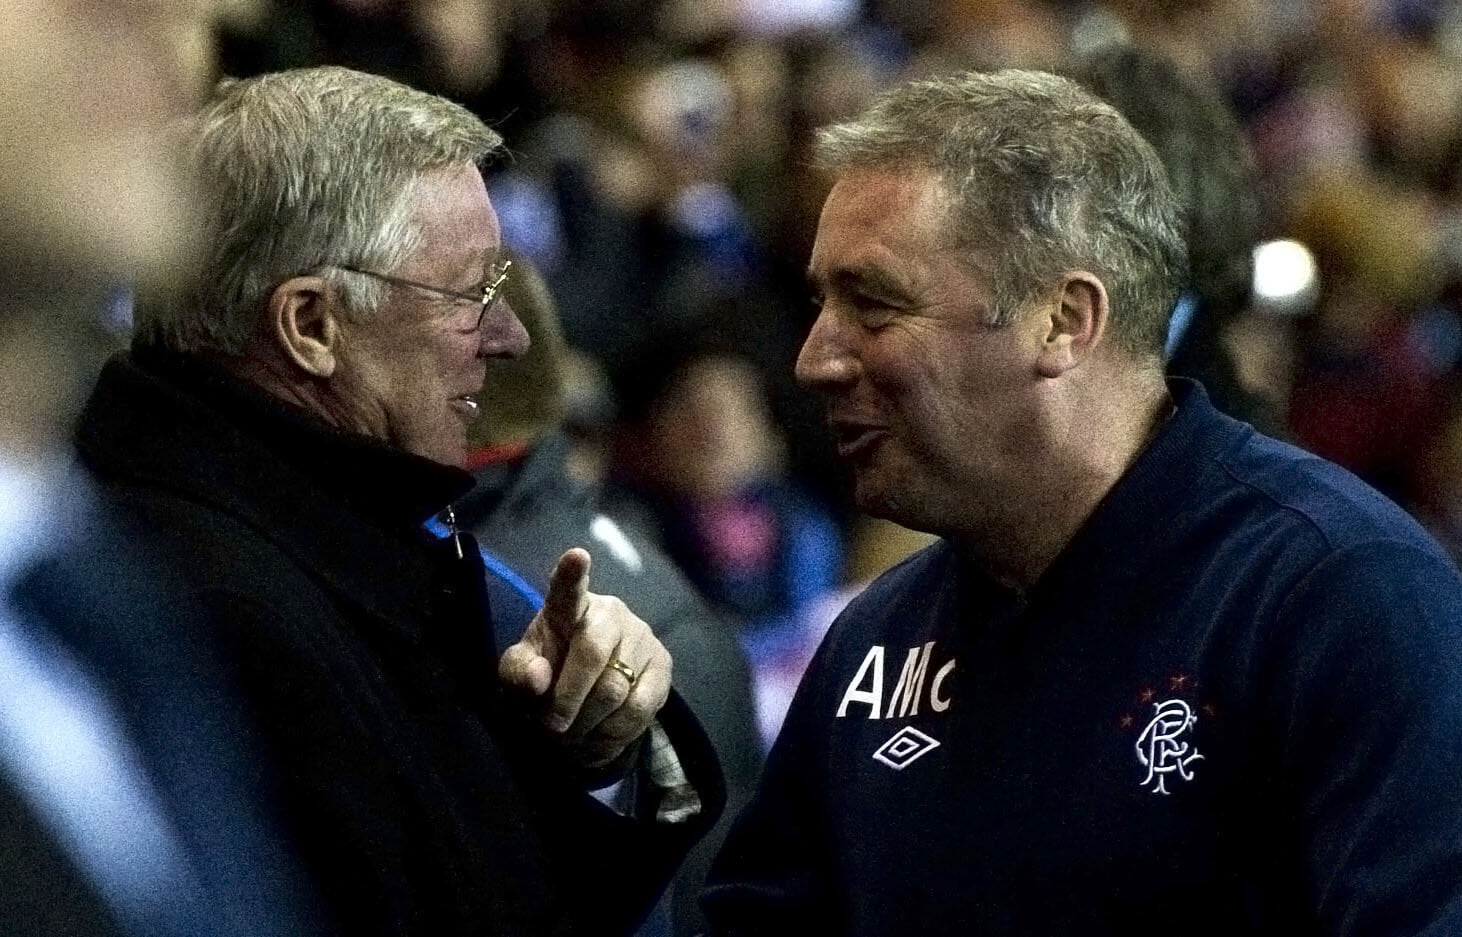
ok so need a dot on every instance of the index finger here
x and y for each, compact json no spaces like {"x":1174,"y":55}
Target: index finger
{"x":568,"y":592}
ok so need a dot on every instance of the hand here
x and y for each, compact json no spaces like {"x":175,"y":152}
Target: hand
{"x":567,"y":656}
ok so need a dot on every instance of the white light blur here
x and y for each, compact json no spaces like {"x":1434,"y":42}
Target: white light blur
{"x":780,"y":17}
{"x":1285,"y":275}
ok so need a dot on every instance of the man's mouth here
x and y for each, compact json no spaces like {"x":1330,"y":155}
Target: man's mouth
{"x":855,"y":439}
{"x":466,"y":406}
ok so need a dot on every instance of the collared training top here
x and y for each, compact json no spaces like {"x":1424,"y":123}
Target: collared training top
{"x":1233,"y":705}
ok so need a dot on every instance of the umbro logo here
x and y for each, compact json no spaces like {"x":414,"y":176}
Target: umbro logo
{"x":907,"y":746}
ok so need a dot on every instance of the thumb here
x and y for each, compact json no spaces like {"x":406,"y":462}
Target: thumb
{"x":523,"y":668}
{"x":568,"y":593}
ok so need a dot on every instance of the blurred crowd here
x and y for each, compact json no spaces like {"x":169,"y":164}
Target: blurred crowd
{"x":659,"y":181}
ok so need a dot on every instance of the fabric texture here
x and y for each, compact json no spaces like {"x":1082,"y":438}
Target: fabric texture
{"x":420,"y":795}
{"x":1233,"y":705}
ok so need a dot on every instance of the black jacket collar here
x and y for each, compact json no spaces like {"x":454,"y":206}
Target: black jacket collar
{"x":347,"y":507}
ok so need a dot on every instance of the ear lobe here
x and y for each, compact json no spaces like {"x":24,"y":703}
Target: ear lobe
{"x":1076,"y":322}
{"x":303,"y":320}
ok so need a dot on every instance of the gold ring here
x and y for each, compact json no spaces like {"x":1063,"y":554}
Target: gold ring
{"x":624,"y":670}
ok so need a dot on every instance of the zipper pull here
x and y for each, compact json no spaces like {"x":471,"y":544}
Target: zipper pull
{"x":456,"y":535}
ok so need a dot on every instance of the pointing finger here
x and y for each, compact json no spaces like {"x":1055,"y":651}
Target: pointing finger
{"x":568,"y":593}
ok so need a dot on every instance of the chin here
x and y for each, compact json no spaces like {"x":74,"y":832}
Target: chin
{"x":897,"y":503}
{"x":456,"y":458}
{"x":875,"y":500}
{"x":453,"y":454}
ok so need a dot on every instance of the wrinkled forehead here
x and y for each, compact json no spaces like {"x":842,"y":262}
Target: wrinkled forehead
{"x":455,"y":219}
{"x":881,"y":218}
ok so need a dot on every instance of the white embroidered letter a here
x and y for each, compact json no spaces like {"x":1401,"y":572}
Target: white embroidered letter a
{"x":872,"y":697}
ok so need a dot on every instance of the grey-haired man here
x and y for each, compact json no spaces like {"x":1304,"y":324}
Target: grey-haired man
{"x":288,"y":425}
{"x":1160,"y":672}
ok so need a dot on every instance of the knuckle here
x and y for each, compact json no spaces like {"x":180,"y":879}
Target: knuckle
{"x":595,"y":649}
{"x":614,"y":690}
{"x":614,"y":607}
{"x":640,"y":709}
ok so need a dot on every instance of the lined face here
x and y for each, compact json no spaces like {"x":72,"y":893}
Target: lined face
{"x":928,"y":403}
{"x":409,"y":373}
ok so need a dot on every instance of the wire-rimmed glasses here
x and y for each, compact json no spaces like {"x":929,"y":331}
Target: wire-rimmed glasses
{"x":497,"y":275}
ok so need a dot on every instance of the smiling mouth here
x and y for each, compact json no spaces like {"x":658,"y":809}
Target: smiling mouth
{"x":467,"y":406}
{"x":856,"y":441}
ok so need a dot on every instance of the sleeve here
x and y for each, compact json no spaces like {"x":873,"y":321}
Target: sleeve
{"x":1369,"y":705}
{"x":625,"y":862}
{"x":775,"y":873}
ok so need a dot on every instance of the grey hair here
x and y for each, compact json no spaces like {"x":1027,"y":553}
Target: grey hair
{"x":306,"y":170}
{"x":1043,"y":178}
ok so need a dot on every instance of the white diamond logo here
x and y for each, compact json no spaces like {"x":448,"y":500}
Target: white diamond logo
{"x":907,"y":746}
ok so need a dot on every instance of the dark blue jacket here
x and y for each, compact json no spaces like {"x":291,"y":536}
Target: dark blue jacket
{"x":1233,"y":705}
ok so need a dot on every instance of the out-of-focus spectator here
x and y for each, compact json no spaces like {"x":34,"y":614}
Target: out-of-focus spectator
{"x":1211,"y":170}
{"x":528,"y":509}
{"x":1367,"y":395}
{"x":701,"y":453}
{"x":131,"y":800}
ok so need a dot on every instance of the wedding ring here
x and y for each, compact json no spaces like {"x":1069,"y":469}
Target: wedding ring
{"x":624,"y":670}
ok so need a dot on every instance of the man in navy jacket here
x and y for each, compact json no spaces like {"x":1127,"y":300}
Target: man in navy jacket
{"x":1161,"y":674}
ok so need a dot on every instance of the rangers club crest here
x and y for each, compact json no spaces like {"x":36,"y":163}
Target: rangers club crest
{"x":1164,"y":747}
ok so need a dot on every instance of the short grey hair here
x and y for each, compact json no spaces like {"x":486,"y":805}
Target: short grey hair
{"x":1043,"y":178}
{"x":305,"y":171}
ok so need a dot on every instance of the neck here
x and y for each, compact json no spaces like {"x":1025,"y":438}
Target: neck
{"x":1088,"y":444}
{"x":280,"y":379}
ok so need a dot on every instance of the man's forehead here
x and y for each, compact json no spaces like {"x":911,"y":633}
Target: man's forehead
{"x":868,"y":272}
{"x":456,"y":217}
{"x":876,"y":222}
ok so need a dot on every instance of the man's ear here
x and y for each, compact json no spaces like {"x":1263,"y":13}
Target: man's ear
{"x":303,"y":320}
{"x":1076,"y":320}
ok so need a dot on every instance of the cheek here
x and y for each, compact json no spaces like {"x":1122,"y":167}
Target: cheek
{"x":909,"y":392}
{"x":461,"y":355}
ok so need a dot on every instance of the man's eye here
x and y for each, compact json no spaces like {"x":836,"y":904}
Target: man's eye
{"x":873,"y":312}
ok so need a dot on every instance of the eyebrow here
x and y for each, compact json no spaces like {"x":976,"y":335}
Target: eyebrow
{"x":874,"y":279}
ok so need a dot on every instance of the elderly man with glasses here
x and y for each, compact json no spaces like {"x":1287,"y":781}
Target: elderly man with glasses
{"x":288,"y":424}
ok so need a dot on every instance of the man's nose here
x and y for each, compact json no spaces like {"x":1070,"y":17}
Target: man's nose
{"x":502,"y":334}
{"x":825,"y":359}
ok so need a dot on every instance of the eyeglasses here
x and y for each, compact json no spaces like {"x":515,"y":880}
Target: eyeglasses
{"x":496,"y":277}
